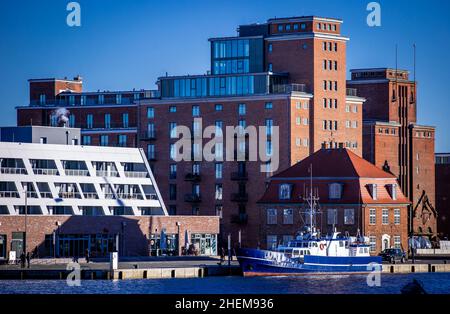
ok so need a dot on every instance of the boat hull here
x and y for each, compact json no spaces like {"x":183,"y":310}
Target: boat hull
{"x":267,"y":263}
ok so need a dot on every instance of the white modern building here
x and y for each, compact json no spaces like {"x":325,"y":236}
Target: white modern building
{"x":50,"y":179}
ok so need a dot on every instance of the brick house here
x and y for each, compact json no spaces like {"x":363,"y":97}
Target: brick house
{"x":354,"y":195}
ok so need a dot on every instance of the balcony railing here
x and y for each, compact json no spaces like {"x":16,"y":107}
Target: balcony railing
{"x":149,"y":135}
{"x":42,"y":171}
{"x":239,"y":197}
{"x":10,"y":170}
{"x":90,"y":195}
{"x":151,"y":196}
{"x":288,"y":88}
{"x":103,"y":126}
{"x":351,"y":92}
{"x":32,"y":194}
{"x":128,"y":196}
{"x":13,"y":194}
{"x":46,"y":194}
{"x":241,"y":218}
{"x":192,"y":177}
{"x":69,"y":195}
{"x":76,"y":172}
{"x":136,"y":174}
{"x":192,"y":198}
{"x":107,"y":173}
{"x":239,"y":176}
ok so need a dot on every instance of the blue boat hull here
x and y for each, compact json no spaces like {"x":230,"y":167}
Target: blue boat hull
{"x":264,"y":263}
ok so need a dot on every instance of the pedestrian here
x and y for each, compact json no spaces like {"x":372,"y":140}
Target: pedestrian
{"x":87,"y":256}
{"x":22,"y":260}
{"x":222,"y":255}
{"x":28,"y":259}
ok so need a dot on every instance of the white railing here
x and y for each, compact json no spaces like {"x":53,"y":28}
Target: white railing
{"x":9,"y":170}
{"x":9,"y":194}
{"x":46,"y":195}
{"x":136,"y":174}
{"x":76,"y":172}
{"x":69,"y":195}
{"x":129,"y":196}
{"x":43,"y":171}
{"x":109,"y":195}
{"x":90,"y":195}
{"x":151,"y":196}
{"x":107,"y":173}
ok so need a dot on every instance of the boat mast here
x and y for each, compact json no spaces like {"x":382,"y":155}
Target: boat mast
{"x":311,"y":199}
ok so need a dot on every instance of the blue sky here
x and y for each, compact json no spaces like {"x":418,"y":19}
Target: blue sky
{"x":128,"y":44}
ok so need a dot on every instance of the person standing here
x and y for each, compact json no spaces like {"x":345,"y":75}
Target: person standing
{"x":87,"y":255}
{"x":22,"y":260}
{"x":222,"y":255}
{"x":28,"y":257}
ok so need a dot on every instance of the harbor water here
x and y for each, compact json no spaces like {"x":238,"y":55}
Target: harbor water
{"x":434,"y":283}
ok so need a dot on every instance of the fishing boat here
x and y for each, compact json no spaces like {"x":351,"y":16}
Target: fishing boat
{"x":310,"y":252}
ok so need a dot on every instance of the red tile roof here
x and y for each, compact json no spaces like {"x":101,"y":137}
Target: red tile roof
{"x":335,"y":166}
{"x":339,"y":162}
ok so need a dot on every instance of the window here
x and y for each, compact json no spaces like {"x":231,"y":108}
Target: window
{"x":271,"y":216}
{"x":298,"y":141}
{"x":219,"y":211}
{"x":305,"y":121}
{"x":324,"y":124}
{"x":288,"y":27}
{"x":332,"y":216}
{"x":347,"y":124}
{"x":305,"y":142}
{"x":295,"y":26}
{"x":271,"y":242}
{"x":270,"y":47}
{"x":324,"y":103}
{"x":42,"y":99}
{"x":195,"y":111}
{"x":393,"y":188}
{"x":324,"y":64}
{"x":373,"y":243}
{"x":385,"y":216}
{"x":330,"y":85}
{"x":270,"y":67}
{"x":173,"y":109}
{"x":298,"y":120}
{"x":397,"y":216}
{"x":173,"y":151}
{"x":219,"y":192}
{"x":125,"y":120}
{"x":288,"y":216}
{"x":242,"y":109}
{"x":335,"y":190}
{"x":324,"y":85}
{"x":122,"y":140}
{"x":268,"y":105}
{"x":173,"y":171}
{"x":107,"y":120}
{"x":355,"y":109}
{"x":83,"y":99}
{"x":335,"y":65}
{"x":173,"y":130}
{"x":118,"y":99}
{"x":218,"y":170}
{"x":219,"y":107}
{"x":319,"y":26}
{"x":104,"y":140}
{"x":303,"y":26}
{"x":325,"y":45}
{"x":335,"y":104}
{"x":372,"y":216}
{"x":330,"y":65}
{"x":373,"y":191}
{"x":349,"y":216}
{"x":151,"y":151}
{"x":72,"y":121}
{"x":101,"y":99}
{"x":335,"y":47}
{"x":284,"y":191}
{"x":172,"y":192}
{"x":150,"y":112}
{"x":397,"y":242}
{"x":269,"y":126}
{"x":86,"y":140}
{"x":280,"y":27}
{"x":336,"y":85}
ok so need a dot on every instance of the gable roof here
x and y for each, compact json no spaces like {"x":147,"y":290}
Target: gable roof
{"x":331,"y":163}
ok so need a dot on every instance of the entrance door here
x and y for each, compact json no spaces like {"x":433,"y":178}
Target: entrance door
{"x":2,"y":246}
{"x":385,"y":242}
{"x":18,"y":242}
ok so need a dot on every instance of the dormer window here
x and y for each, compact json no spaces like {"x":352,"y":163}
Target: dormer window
{"x":373,"y":191}
{"x":392,"y":190}
{"x":285,"y":191}
{"x":335,"y":191}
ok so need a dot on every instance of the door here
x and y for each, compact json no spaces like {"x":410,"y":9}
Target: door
{"x":385,"y":242}
{"x":18,"y":242}
{"x":2,"y":246}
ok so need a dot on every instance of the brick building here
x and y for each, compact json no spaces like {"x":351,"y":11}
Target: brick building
{"x":287,"y":73}
{"x":392,"y":139}
{"x":354,"y":196}
{"x":443,"y":193}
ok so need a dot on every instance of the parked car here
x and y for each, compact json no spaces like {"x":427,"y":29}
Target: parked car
{"x":393,"y":255}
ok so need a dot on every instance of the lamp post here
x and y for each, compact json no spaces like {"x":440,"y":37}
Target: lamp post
{"x":178,"y":240}
{"x":25,"y":188}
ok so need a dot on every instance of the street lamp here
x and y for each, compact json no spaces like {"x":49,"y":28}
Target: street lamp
{"x":178,"y":227}
{"x":25,"y":188}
